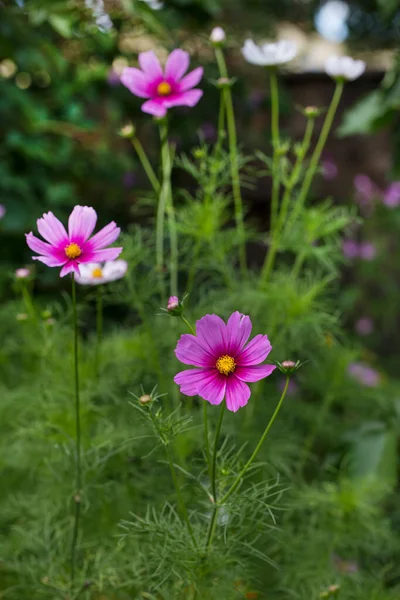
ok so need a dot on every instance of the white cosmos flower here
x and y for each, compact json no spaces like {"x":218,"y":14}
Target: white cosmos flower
{"x":95,"y":274}
{"x":217,"y":35}
{"x":344,"y":67}
{"x":268,"y":55}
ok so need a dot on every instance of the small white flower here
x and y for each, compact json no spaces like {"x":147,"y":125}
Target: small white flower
{"x":344,"y":67}
{"x":154,"y":4}
{"x":268,"y":55}
{"x":95,"y":274}
{"x":22,"y":273}
{"x":217,"y":36}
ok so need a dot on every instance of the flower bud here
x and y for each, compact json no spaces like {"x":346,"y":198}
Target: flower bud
{"x":128,"y":131}
{"x":217,"y":36}
{"x":145,"y":399}
{"x":312,"y":112}
{"x":173,"y":303}
{"x":288,"y":367}
{"x":22,"y":273}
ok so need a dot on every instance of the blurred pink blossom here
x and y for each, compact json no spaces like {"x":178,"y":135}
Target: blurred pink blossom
{"x":364,"y":374}
{"x":364,"y":326}
{"x":350,"y":249}
{"x":391,"y":196}
{"x":113,"y":78}
{"x":367,"y":251}
{"x":329,"y":168}
{"x":2,"y":211}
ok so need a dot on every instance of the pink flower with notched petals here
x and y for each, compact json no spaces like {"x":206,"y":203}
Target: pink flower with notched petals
{"x":223,"y":359}
{"x":163,"y":88}
{"x":68,"y":250}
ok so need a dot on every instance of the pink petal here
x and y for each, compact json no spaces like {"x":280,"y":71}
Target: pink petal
{"x":189,"y":380}
{"x":239,"y":330}
{"x":177,"y":64}
{"x":212,"y":386}
{"x":104,"y":237}
{"x":51,"y":261}
{"x":150,"y":64}
{"x":101,"y":255}
{"x":255,"y":352}
{"x":191,"y":79}
{"x":155,"y":107}
{"x":52,"y":230}
{"x":70,"y":267}
{"x":255,"y":373}
{"x":189,"y":98}
{"x":237,"y":393}
{"x":136,"y":82}
{"x":213,"y":335}
{"x":81,"y":223}
{"x":38,"y":246}
{"x":190,"y":352}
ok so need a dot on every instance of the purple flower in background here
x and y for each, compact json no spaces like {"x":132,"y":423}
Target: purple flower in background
{"x":113,"y":78}
{"x":391,"y":196}
{"x":163,"y":88}
{"x":364,"y":326}
{"x":129,"y":179}
{"x":208,"y":131}
{"x":329,"y":168}
{"x":367,"y":251}
{"x":256,"y":98}
{"x":2,"y":211}
{"x":223,"y":359}
{"x":366,"y":191}
{"x":350,"y":249}
{"x":293,"y":388}
{"x":364,"y":374}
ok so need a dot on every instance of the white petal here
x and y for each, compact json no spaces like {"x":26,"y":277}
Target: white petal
{"x":252,"y":53}
{"x":115,"y":269}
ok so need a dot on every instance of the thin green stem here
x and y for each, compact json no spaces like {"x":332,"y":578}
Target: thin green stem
{"x":99,"y":328}
{"x":234,"y":162}
{"x":273,"y":79}
{"x":295,"y":175}
{"x":213,"y":521}
{"x":239,"y":478}
{"x":206,"y":440}
{"x":146,"y":164}
{"x":188,"y":325}
{"x":316,"y":155}
{"x":77,"y":497}
{"x":168,"y":207}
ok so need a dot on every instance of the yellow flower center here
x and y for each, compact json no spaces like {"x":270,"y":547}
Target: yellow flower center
{"x":225,"y":364}
{"x":97,"y":272}
{"x":73,"y":251}
{"x":164,"y":89}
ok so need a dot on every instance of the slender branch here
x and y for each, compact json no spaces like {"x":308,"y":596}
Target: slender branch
{"x":213,"y":522}
{"x":234,"y":161}
{"x":309,"y":176}
{"x":188,"y":325}
{"x":77,"y":497}
{"x":239,"y":478}
{"x":275,"y":145}
{"x":146,"y":164}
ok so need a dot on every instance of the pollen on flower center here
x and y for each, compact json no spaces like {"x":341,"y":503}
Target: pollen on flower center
{"x":98,"y":273}
{"x":225,"y":364}
{"x":73,"y":251}
{"x":164,"y":89}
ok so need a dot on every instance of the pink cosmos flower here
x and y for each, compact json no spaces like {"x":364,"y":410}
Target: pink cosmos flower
{"x":392,"y":195}
{"x":164,"y":88}
{"x":364,"y":326}
{"x":364,"y":374}
{"x":367,"y":251}
{"x":68,"y":250}
{"x":223,"y":359}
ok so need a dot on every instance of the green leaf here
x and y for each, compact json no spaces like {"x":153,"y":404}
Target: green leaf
{"x":361,"y":118}
{"x":61,"y":24}
{"x":374,"y":453}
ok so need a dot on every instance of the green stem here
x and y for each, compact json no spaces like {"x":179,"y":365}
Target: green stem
{"x":206,"y":440}
{"x":168,"y":207}
{"x":295,"y":175}
{"x":99,"y":328}
{"x":316,"y":155}
{"x":213,"y":522}
{"x":275,"y":145}
{"x":28,"y":301}
{"x":239,"y":478}
{"x":146,"y":164}
{"x":77,"y":497}
{"x":188,"y":325}
{"x":234,"y":162}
